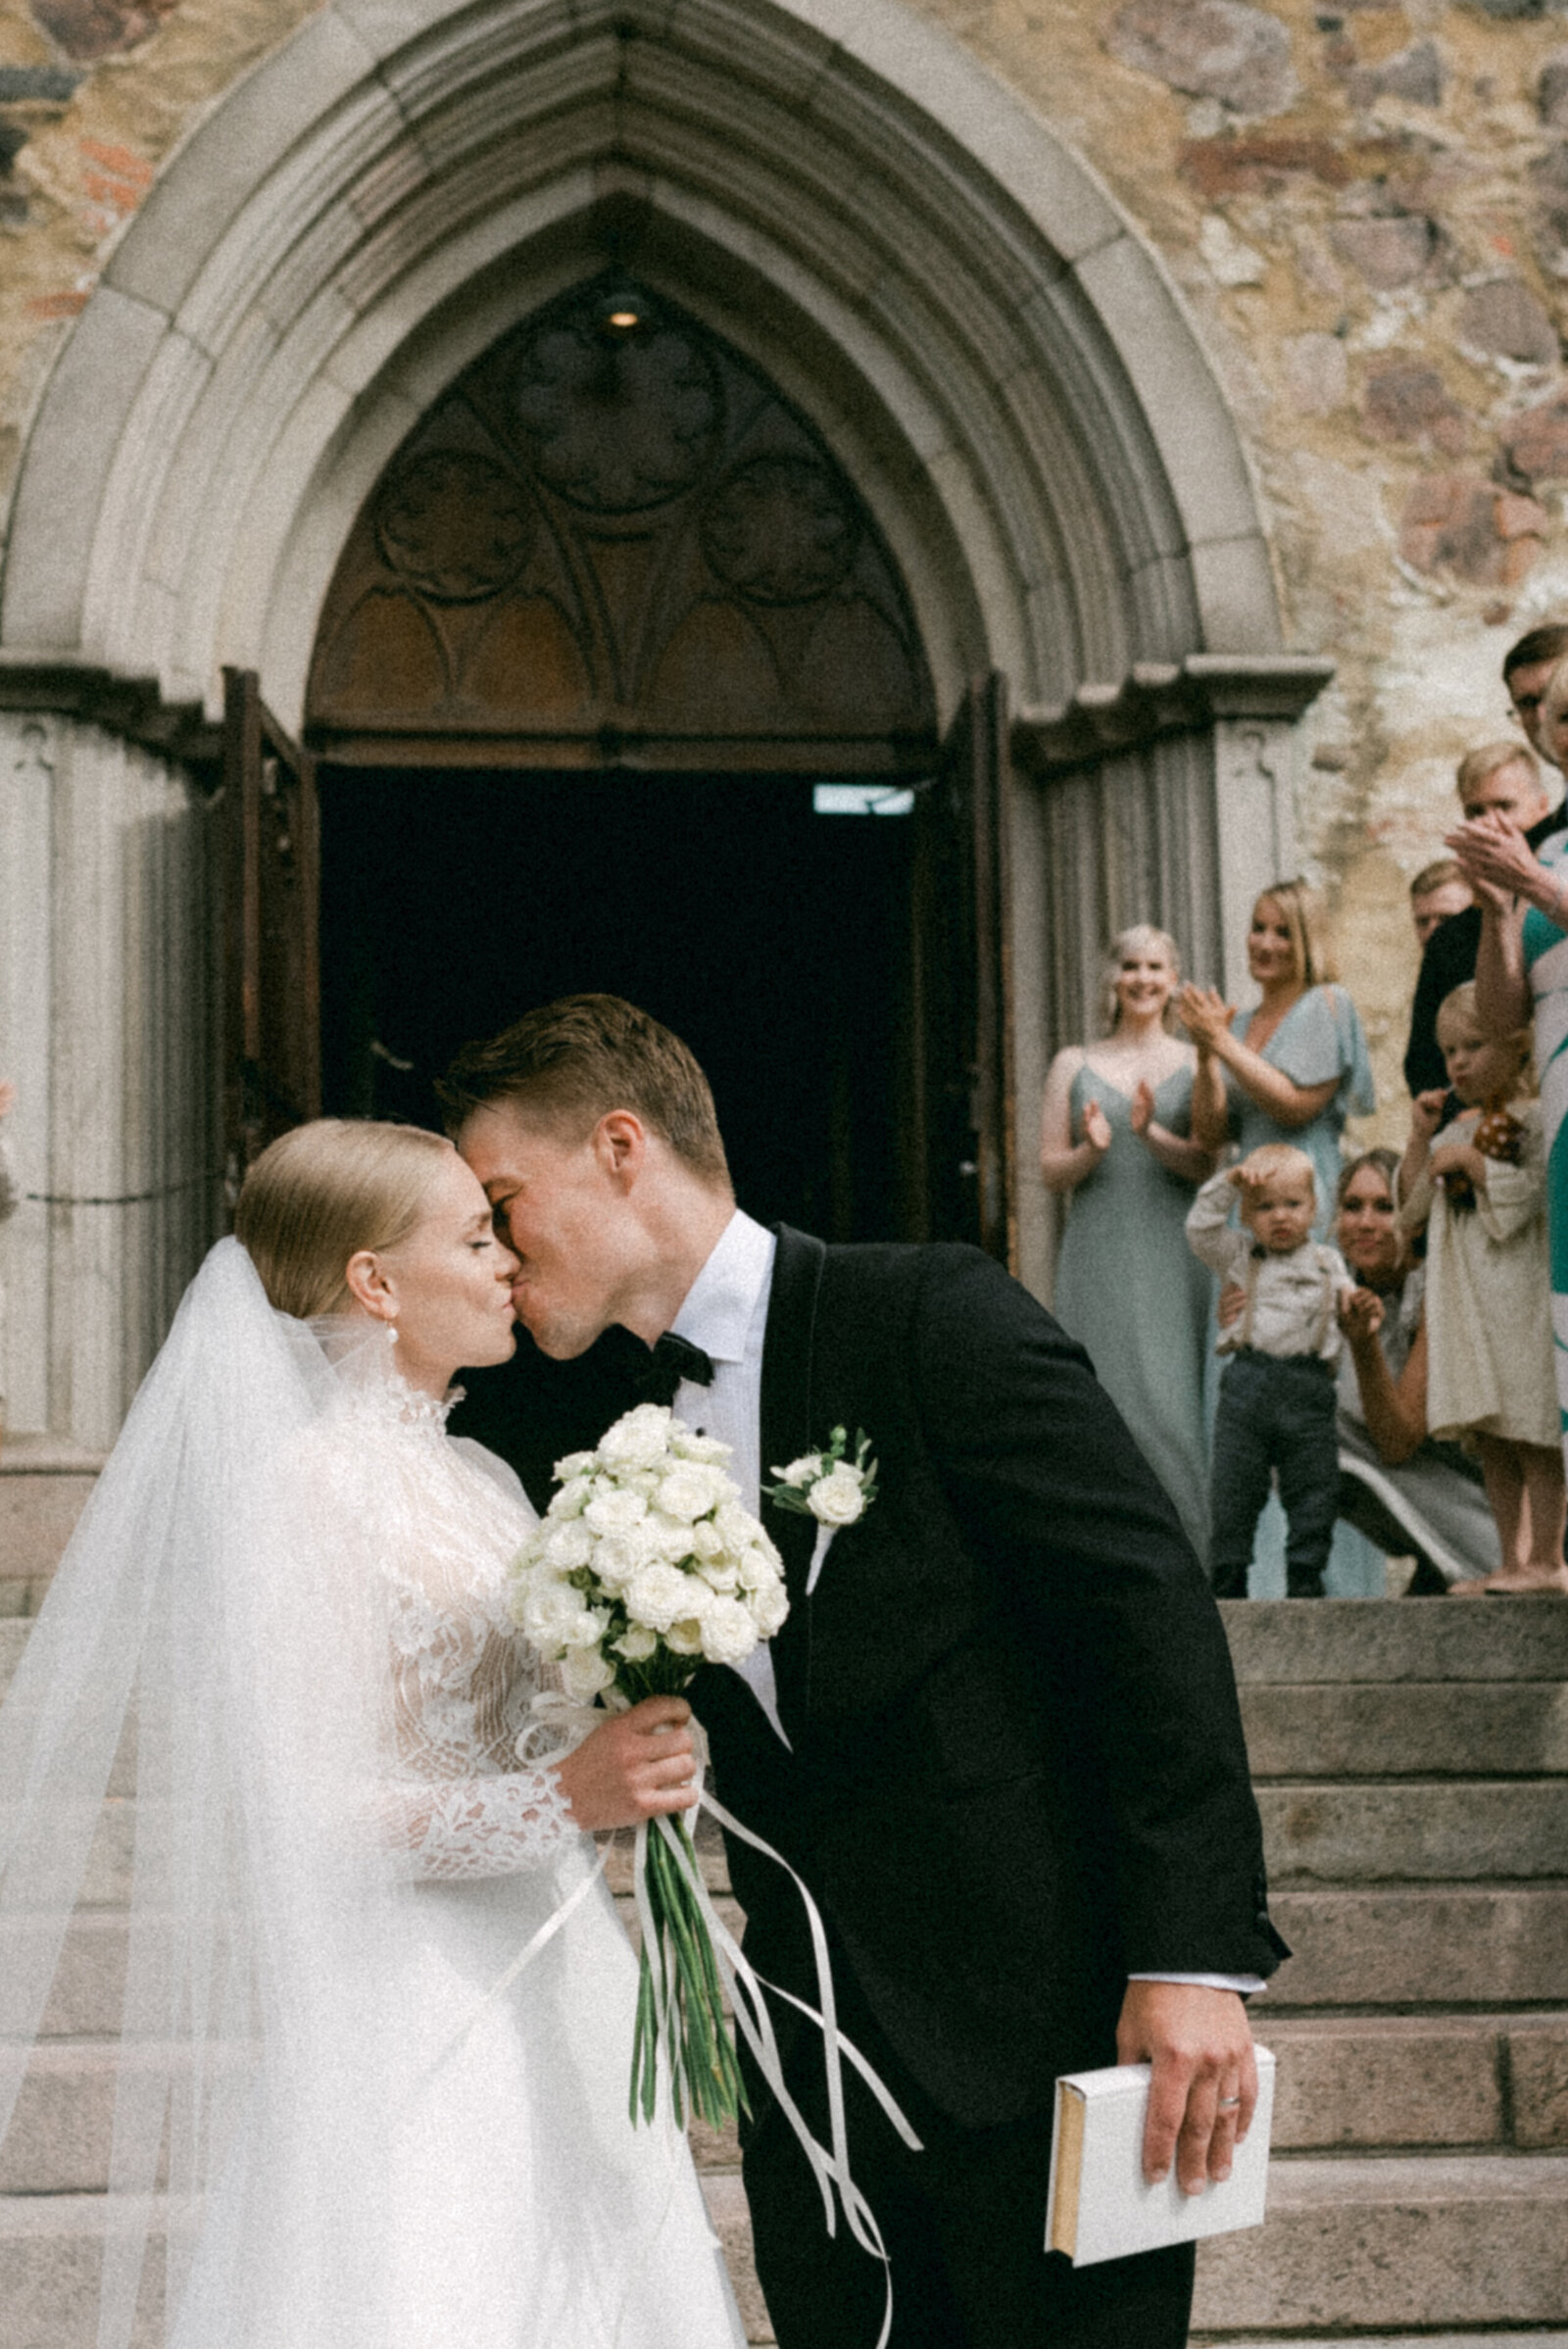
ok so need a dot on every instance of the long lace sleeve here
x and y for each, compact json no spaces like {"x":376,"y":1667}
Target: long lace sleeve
{"x":458,"y":1805}
{"x":465,"y":1829}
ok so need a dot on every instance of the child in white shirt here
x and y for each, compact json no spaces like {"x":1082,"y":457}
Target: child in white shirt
{"x":1277,"y":1394}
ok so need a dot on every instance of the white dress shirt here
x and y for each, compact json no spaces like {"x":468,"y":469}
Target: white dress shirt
{"x":725,"y":1313}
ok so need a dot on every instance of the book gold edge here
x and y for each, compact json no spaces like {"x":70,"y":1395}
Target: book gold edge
{"x":1071,"y":2108}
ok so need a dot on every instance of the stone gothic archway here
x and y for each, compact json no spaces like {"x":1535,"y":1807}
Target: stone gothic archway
{"x":846,"y":197}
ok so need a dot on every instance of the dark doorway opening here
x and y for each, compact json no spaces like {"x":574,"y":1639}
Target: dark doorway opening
{"x":773,"y":936}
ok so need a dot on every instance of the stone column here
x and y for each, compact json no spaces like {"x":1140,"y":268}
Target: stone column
{"x":107,"y":1002}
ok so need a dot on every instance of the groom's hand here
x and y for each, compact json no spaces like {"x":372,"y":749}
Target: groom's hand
{"x":638,"y":1764}
{"x":1204,"y":2087}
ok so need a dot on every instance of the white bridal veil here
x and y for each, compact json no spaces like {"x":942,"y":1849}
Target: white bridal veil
{"x":207,"y":1623}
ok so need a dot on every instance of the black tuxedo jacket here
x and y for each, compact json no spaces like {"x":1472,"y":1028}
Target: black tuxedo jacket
{"x":1018,"y":1770}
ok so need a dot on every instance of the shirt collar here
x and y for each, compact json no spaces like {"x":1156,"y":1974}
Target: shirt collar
{"x":721,"y":1301}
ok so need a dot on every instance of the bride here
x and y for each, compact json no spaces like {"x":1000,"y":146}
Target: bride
{"x":346,"y":2117}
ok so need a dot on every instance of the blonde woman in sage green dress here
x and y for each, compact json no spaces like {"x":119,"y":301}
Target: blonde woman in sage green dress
{"x":1115,"y":1140}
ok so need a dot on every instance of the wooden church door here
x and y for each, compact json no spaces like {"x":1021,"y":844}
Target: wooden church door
{"x":273,"y":996}
{"x":963,"y":978}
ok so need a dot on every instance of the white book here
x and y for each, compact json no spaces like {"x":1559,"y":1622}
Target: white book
{"x":1099,"y":2204}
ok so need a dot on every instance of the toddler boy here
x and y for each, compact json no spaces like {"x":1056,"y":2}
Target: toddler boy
{"x":1277,"y":1390}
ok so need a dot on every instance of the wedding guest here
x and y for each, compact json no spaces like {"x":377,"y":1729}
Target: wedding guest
{"x":1296,"y":1067}
{"x":1276,"y":1392}
{"x":1478,"y":1183}
{"x":1438,"y":891}
{"x":1522,"y":888}
{"x":1505,"y":778}
{"x":1401,"y":1491}
{"x":1115,"y":1138}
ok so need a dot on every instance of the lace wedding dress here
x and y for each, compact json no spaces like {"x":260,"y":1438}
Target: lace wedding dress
{"x":366,"y":2146}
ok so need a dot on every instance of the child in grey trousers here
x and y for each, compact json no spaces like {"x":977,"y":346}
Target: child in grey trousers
{"x":1277,"y":1396}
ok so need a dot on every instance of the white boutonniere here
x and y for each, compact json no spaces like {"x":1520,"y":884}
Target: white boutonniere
{"x":829,"y":1485}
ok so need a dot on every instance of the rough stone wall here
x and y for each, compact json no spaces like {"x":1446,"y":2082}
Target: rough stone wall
{"x":1366,"y":205}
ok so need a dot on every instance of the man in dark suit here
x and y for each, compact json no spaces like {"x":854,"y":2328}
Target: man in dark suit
{"x":1499,"y":778}
{"x":998,"y":1735}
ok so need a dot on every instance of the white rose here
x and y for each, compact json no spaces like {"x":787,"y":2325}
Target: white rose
{"x":658,"y":1595}
{"x":549,"y":1610}
{"x":719,"y":1573}
{"x":670,"y":1538}
{"x":735,"y":1525}
{"x":685,"y":1639}
{"x":708,"y":1545}
{"x":687,"y":1444}
{"x":729,"y":1634}
{"x":584,"y":1630}
{"x":572,"y":1498}
{"x":756,"y":1566}
{"x":617,"y":1559}
{"x":801,"y":1472}
{"x":576,"y":1464}
{"x":691,"y":1491}
{"x":839,"y":1498}
{"x":636,"y":1644}
{"x":569,"y":1545}
{"x":638,"y":1440}
{"x":614,"y":1512}
{"x":767,"y":1605}
{"x":586,"y":1675}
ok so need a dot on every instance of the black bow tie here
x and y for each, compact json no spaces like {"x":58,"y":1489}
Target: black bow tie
{"x":663,"y":1366}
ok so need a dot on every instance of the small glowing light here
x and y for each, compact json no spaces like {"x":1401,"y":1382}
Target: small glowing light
{"x":623,"y":319}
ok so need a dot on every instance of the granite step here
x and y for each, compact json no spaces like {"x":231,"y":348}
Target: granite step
{"x":1415,"y":1832}
{"x":1414,"y":1946}
{"x":1287,"y":1642}
{"x":1365,"y":2245}
{"x":1414,"y":1729}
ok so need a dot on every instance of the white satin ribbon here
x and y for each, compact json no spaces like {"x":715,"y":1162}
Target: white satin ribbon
{"x":554,"y":1712}
{"x":819,"y":1548}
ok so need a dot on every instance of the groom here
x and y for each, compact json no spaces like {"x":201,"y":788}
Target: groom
{"x":997,"y":1737}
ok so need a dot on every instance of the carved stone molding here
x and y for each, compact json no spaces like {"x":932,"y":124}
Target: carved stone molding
{"x":132,"y":709}
{"x":1155,"y":699}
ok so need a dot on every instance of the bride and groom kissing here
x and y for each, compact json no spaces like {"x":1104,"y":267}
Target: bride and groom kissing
{"x":997,"y":1736}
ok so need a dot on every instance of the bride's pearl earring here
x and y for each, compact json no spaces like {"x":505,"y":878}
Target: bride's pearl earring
{"x":391,"y":1335}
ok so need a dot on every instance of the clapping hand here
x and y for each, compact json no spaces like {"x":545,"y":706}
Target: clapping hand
{"x":1097,"y":1127}
{"x":1497,"y":859}
{"x":1204,"y":1014}
{"x":7,"y":1098}
{"x":1143,"y":1108}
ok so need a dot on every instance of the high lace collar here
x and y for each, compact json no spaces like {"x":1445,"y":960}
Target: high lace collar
{"x":360,"y":1357}
{"x":391,"y":1400}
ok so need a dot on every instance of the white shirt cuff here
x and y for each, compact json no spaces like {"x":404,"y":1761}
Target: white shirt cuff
{"x":1247,"y":1985}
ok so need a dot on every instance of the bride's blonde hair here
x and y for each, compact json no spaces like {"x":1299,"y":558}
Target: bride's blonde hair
{"x":322,"y":1191}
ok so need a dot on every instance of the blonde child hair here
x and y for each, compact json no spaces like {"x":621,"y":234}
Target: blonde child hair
{"x":1278,"y":1163}
{"x":1461,"y":1003}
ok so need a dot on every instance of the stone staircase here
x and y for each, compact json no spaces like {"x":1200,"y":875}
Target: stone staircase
{"x":1412,"y":1766}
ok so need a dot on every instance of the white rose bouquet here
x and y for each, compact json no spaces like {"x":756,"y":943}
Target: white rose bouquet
{"x":646,"y":1566}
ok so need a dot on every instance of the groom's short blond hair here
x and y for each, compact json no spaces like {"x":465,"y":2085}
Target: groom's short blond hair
{"x":575,"y":1061}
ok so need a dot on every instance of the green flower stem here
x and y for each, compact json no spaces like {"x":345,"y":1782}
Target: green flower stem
{"x":701,"y":2059}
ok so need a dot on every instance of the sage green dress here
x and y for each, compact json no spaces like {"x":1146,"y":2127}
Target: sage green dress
{"x":1130,"y":1289}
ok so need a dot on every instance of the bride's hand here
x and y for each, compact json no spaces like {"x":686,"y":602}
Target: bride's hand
{"x":638,"y":1764}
